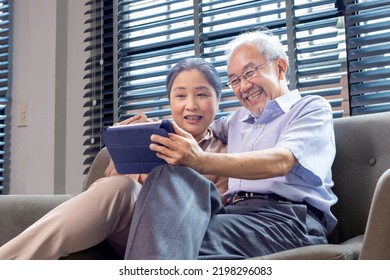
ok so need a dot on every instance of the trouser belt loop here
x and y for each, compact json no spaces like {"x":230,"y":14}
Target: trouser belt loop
{"x":274,"y":197}
{"x":250,"y":195}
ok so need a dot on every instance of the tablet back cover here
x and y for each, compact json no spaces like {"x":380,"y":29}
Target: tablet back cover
{"x":128,"y":146}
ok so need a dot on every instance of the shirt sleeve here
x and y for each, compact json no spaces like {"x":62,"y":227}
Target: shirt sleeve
{"x":110,"y":170}
{"x":220,"y":128}
{"x":310,"y":137}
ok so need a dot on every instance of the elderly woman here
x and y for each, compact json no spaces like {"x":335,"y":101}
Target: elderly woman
{"x":105,"y":210}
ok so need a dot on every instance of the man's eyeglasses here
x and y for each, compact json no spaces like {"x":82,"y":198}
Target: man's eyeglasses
{"x":247,"y":75}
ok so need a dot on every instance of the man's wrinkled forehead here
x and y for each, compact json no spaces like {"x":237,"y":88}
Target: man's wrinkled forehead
{"x":240,"y":71}
{"x":243,"y":57}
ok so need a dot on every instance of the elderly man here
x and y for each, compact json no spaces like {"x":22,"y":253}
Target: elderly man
{"x":280,"y":152}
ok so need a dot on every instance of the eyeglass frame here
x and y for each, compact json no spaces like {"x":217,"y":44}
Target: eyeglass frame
{"x":244,"y":74}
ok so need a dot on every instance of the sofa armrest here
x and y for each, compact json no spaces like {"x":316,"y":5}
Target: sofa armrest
{"x":376,"y":243}
{"x":17,"y":212}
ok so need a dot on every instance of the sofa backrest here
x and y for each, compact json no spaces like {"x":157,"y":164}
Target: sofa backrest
{"x":97,"y":169}
{"x":362,"y":155}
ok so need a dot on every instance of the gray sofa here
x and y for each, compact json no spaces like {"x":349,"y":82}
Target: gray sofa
{"x":361,"y":173}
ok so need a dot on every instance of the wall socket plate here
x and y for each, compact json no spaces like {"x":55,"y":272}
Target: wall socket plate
{"x":21,"y":117}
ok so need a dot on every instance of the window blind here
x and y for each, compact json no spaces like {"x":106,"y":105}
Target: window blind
{"x":99,"y":88}
{"x":368,"y":35}
{"x":154,"y":35}
{"x":4,"y":81}
{"x":317,"y":54}
{"x":337,"y":49}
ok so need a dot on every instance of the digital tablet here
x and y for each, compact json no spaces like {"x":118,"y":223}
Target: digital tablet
{"x":128,"y":145}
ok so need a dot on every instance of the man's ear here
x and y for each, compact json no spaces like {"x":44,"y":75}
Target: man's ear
{"x":282,"y":68}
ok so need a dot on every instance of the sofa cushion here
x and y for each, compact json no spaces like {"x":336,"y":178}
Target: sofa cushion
{"x":20,"y":211}
{"x":346,"y":251}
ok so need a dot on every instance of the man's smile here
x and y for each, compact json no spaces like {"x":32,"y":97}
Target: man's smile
{"x":253,"y":96}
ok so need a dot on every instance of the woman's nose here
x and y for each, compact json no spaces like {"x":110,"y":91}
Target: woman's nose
{"x":191,"y":104}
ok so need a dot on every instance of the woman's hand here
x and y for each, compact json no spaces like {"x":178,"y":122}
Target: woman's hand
{"x":139,"y":118}
{"x":179,"y":149}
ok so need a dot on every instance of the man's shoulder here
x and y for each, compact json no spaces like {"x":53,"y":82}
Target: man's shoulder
{"x":313,"y":98}
{"x":313,"y":101}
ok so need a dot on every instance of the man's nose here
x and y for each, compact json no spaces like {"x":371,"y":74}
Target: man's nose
{"x":245,"y":85}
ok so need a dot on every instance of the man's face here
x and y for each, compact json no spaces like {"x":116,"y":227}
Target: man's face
{"x":266,"y":83}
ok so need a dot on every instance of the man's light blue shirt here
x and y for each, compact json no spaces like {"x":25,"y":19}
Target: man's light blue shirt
{"x":304,"y":125}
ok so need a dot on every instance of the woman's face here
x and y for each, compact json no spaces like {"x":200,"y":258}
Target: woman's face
{"x":194,"y":102}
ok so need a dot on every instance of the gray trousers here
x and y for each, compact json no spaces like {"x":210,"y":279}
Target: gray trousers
{"x":179,"y":215}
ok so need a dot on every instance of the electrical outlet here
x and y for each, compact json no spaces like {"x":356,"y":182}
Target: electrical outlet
{"x":21,"y":118}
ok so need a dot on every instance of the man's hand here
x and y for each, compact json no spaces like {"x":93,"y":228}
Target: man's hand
{"x":179,"y":149}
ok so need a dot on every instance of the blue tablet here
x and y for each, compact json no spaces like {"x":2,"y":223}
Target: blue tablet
{"x":128,"y":145}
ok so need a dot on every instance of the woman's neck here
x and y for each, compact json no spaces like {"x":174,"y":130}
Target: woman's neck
{"x":199,"y":137}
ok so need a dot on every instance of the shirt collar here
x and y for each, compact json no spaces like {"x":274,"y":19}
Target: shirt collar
{"x":288,"y":100}
{"x":274,"y":108}
{"x":209,"y":135}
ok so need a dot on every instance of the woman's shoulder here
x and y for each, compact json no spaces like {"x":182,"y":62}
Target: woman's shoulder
{"x":211,"y":143}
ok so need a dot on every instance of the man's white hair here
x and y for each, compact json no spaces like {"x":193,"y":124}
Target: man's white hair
{"x":267,"y":44}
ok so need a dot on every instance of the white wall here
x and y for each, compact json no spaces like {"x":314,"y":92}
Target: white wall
{"x":47,"y":73}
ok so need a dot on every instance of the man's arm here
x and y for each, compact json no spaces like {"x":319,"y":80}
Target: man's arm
{"x":182,"y":149}
{"x":253,"y":165}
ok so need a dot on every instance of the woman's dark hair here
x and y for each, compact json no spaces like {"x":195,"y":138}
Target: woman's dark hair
{"x":206,"y":68}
